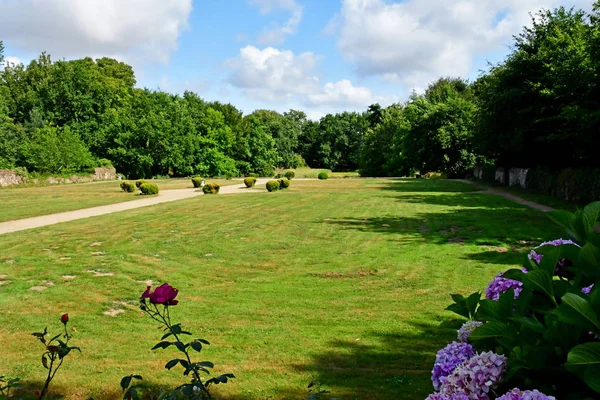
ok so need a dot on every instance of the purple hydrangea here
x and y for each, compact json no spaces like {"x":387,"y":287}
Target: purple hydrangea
{"x":587,"y":290}
{"x":518,"y":394}
{"x":562,"y":264}
{"x":465,"y":330}
{"x":452,"y":396}
{"x":447,"y":359}
{"x":477,"y":376}
{"x":500,"y":285}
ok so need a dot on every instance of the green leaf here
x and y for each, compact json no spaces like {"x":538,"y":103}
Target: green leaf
{"x":206,"y":364}
{"x":584,"y":354}
{"x":489,"y":330}
{"x":531,"y":323}
{"x":162,"y":345}
{"x":591,"y":213}
{"x":180,"y":346}
{"x":565,"y":220}
{"x":125,"y":382}
{"x":460,"y":309}
{"x":577,"y":310}
{"x":203,"y":341}
{"x":172,"y":363}
{"x":472,"y":302}
{"x":166,"y":335}
{"x":458,"y":298}
{"x":45,"y":361}
{"x":196,"y":346}
{"x":540,"y":280}
{"x":592,"y":377}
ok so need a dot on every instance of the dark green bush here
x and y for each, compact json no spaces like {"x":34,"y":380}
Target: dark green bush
{"x":148,"y":188}
{"x":211,"y":188}
{"x":290,"y":175}
{"x":127,"y":187}
{"x":272,"y":185}
{"x":323,"y":175}
{"x":197,"y":182}
{"x":541,"y":180}
{"x":284,"y":183}
{"x":249,"y":181}
{"x":489,"y":173}
{"x":139,"y":183}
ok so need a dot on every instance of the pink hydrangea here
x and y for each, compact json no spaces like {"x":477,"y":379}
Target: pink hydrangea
{"x":476,"y":377}
{"x":518,"y":394}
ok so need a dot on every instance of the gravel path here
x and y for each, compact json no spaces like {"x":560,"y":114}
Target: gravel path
{"x":164,"y":196}
{"x":507,"y":195}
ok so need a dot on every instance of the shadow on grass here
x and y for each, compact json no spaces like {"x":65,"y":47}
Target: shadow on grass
{"x":428,"y":185}
{"x":397,"y":366}
{"x":502,"y":230}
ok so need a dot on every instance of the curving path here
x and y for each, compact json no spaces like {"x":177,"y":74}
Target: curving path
{"x":164,"y":196}
{"x":507,"y":195}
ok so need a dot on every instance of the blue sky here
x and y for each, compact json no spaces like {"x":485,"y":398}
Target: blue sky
{"x":320,"y":56}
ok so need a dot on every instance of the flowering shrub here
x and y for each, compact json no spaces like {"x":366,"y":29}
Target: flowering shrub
{"x":56,"y":349}
{"x":157,"y":305}
{"x":537,"y":327}
{"x":448,"y":359}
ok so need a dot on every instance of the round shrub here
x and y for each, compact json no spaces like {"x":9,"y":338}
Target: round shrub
{"x":148,"y":188}
{"x":249,"y":182}
{"x":127,"y":187}
{"x":211,"y":188}
{"x":323,"y":175}
{"x":290,"y":175}
{"x":272,"y":186}
{"x":197,"y":182}
{"x":284,"y":183}
{"x":139,"y":183}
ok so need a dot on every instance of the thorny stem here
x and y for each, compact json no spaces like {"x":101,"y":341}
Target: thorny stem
{"x":50,"y":373}
{"x":167,"y":322}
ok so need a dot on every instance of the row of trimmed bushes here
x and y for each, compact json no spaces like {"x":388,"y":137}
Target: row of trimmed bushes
{"x":146,"y":188}
{"x":576,"y":185}
{"x":279,"y":184}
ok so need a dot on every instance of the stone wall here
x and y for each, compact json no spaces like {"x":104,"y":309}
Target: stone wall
{"x":478,"y":171}
{"x":9,"y":177}
{"x":499,"y":176}
{"x":518,"y":176}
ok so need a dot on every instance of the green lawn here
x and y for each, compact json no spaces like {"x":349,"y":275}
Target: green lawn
{"x":344,"y":281}
{"x":32,"y":201}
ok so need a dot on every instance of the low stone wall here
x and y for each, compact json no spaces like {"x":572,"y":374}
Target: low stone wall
{"x":517,"y":177}
{"x":9,"y":177}
{"x":499,"y":176}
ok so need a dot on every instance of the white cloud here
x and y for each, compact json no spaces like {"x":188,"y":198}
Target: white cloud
{"x":281,"y":78}
{"x":276,"y":33}
{"x":344,"y":94}
{"x":273,"y":75}
{"x":417,"y":41}
{"x":127,"y":29}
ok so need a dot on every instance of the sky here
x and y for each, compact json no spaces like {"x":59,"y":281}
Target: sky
{"x":319,"y":56}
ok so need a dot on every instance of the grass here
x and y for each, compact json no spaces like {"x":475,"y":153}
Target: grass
{"x":343,"y":281}
{"x":32,"y":201}
{"x":314,"y":173}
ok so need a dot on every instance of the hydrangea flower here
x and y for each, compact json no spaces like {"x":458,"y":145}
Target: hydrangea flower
{"x":465,"y":330}
{"x":562,"y":263}
{"x":452,"y":396}
{"x":587,"y":290}
{"x":500,"y":285}
{"x":477,"y":376}
{"x":447,"y":359}
{"x":518,"y":394}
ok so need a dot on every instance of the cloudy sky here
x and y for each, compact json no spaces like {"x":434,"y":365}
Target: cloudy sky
{"x":316,"y":55}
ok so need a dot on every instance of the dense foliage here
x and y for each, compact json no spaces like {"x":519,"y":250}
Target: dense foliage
{"x":543,"y":319}
{"x":272,"y":185}
{"x":65,"y":116}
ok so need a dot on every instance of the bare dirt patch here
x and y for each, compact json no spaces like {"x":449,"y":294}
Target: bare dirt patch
{"x":38,"y":288}
{"x":95,"y":244}
{"x":497,"y":249}
{"x":356,"y":274}
{"x":456,"y":240}
{"x":69,"y":277}
{"x":113,"y":312}
{"x":100,"y":273}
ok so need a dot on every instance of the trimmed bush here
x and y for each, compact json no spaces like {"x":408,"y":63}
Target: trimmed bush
{"x":436,"y":175}
{"x":197,"y":182}
{"x":249,"y":181}
{"x":139,"y":183}
{"x":211,"y":188}
{"x":323,"y":175}
{"x":272,"y":186}
{"x":148,"y":188}
{"x":290,"y":175}
{"x":279,"y":176}
{"x":284,"y":183}
{"x":127,"y":187}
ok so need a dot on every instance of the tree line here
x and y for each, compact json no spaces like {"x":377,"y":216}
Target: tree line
{"x":539,"y":107}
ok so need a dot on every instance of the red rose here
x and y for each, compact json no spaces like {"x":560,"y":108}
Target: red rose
{"x":65,"y":318}
{"x":164,"y":294}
